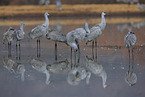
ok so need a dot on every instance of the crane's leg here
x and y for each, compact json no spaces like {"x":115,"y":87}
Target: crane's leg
{"x":129,"y":54}
{"x":96,"y":49}
{"x":132,"y":58}
{"x":55,"y":51}
{"x":78,"y":47}
{"x":78,"y":58}
{"x":74,"y":58}
{"x":71,"y":56}
{"x":93,"y":49}
{"x":8,"y":49}
{"x":78,"y":54}
{"x":16,"y":50}
{"x":19,"y":50}
{"x":39,"y":48}
{"x":129,"y":58}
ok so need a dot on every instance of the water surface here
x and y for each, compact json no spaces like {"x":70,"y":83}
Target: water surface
{"x":111,"y":54}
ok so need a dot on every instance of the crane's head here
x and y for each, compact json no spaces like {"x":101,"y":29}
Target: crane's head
{"x":131,"y":33}
{"x":10,"y":28}
{"x":46,"y":14}
{"x":103,"y":13}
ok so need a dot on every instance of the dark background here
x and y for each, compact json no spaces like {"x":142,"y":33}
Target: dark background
{"x":35,"y":2}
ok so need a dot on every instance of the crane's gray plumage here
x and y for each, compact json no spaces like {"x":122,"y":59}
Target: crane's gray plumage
{"x":130,"y":39}
{"x":56,"y":36}
{"x":76,"y":36}
{"x":19,"y":34}
{"x":8,"y":35}
{"x":40,"y":30}
{"x":96,"y":30}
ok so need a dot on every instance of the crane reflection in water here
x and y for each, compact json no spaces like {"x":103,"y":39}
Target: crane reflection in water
{"x":130,"y":76}
{"x":15,"y":67}
{"x":77,"y":72}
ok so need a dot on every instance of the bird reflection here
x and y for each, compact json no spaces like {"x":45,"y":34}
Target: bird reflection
{"x":42,"y":2}
{"x":58,"y":67}
{"x":128,"y":1}
{"x":14,"y":67}
{"x":130,"y":76}
{"x":96,"y":69}
{"x":58,"y":4}
{"x":58,"y":27}
{"x":77,"y":73}
{"x":40,"y":66}
{"x":129,"y":26}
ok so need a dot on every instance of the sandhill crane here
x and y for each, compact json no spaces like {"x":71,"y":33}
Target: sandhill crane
{"x":56,"y":36}
{"x":40,"y":31}
{"x":130,"y":40}
{"x":74,"y":37}
{"x":95,"y":32}
{"x":19,"y":34}
{"x":8,"y":37}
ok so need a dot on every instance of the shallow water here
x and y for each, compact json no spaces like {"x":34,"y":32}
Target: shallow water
{"x":111,"y":54}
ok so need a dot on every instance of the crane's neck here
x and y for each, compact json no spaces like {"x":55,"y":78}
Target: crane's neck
{"x":103,"y":22}
{"x":87,"y":29}
{"x":104,"y":78}
{"x":21,"y":27}
{"x":46,"y":21}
